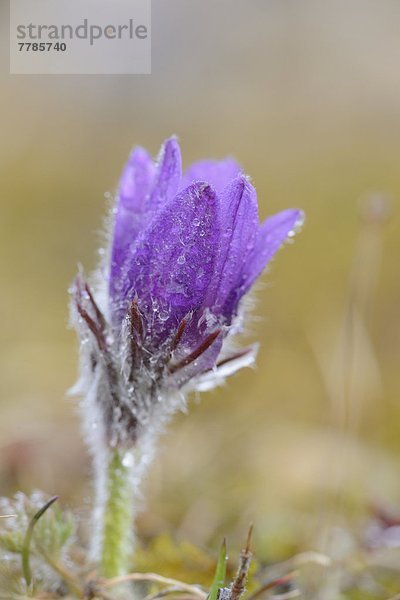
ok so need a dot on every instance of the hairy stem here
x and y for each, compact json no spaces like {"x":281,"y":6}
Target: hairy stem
{"x":117,"y":517}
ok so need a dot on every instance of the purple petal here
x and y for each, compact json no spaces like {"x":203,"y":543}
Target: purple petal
{"x":239,"y":216}
{"x":271,"y":235}
{"x":217,"y":173}
{"x":136,"y":181}
{"x":169,"y":173}
{"x":144,"y":188}
{"x":172,"y":262}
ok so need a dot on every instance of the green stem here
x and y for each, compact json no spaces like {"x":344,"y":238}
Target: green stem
{"x":117,"y":537}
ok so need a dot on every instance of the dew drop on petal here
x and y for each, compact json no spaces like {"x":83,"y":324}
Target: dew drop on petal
{"x":163,"y":315}
{"x":196,"y":222}
{"x":181,"y":260}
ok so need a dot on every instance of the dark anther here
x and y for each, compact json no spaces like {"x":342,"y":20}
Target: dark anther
{"x":136,"y":318}
{"x":229,"y":359}
{"x":196,"y":353}
{"x":99,"y":315}
{"x":94,"y":327}
{"x":136,"y":334}
{"x":179,"y":334}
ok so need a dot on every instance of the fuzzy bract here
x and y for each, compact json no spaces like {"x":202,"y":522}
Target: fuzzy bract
{"x":185,"y":249}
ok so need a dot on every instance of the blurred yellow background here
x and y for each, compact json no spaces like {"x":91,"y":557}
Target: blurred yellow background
{"x":306,"y":95}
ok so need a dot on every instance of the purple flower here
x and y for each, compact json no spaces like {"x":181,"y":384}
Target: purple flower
{"x":186,"y":248}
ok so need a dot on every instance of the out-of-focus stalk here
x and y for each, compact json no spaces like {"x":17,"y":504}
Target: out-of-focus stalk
{"x":117,"y":515}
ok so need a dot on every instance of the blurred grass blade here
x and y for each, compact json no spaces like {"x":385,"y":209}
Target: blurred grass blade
{"x":26,"y":568}
{"x":220,"y":573}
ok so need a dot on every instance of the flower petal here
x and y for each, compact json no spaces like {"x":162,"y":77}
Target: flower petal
{"x":144,"y":188}
{"x":239,"y":215}
{"x":169,"y":173}
{"x":271,"y":235}
{"x":136,"y":181}
{"x":217,"y":173}
{"x":173,"y":261}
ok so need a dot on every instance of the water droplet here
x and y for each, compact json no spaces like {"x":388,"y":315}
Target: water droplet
{"x":127,"y":460}
{"x":196,"y":222}
{"x":181,"y":260}
{"x":163,"y":315}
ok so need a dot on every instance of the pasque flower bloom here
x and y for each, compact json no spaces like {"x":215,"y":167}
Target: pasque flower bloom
{"x":160,"y":316}
{"x":185,"y":250}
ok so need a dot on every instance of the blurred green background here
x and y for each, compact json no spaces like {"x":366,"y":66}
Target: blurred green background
{"x":306,"y":95}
